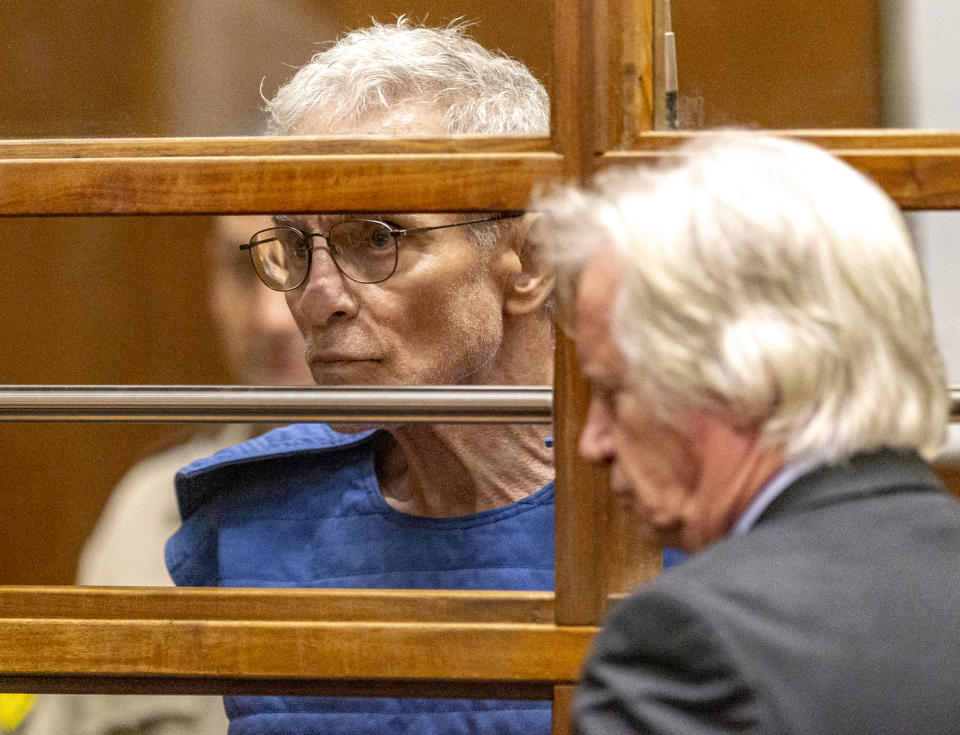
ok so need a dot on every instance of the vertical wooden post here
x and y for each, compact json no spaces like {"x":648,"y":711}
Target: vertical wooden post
{"x":624,"y":41}
{"x":562,"y":710}
{"x":625,"y":52}
{"x":602,"y":88}
{"x":580,"y":513}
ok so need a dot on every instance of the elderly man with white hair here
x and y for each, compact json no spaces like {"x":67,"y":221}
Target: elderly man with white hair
{"x":767,"y":393}
{"x":387,"y":298}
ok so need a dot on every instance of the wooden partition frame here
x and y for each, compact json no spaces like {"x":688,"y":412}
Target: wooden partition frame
{"x":447,"y":643}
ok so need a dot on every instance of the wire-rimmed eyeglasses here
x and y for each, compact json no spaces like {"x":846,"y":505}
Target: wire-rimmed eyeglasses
{"x":364,"y":250}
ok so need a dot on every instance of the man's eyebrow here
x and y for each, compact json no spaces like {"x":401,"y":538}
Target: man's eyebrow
{"x":288,"y":220}
{"x":597,"y":378}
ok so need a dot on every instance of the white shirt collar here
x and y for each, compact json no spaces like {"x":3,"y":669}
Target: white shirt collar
{"x":789,"y":473}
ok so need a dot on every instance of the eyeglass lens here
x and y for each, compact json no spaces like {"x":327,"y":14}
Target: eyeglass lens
{"x":364,"y":250}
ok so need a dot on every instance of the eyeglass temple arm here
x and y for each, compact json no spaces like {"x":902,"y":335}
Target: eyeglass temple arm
{"x":491,"y":218}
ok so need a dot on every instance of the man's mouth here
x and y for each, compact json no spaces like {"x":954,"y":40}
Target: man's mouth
{"x":336,"y":358}
{"x":340,"y":369}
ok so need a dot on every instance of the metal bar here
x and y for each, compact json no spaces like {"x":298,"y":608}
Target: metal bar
{"x":163,"y":403}
{"x":227,"y":403}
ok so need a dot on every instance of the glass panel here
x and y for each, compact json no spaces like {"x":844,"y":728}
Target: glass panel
{"x":777,"y":65}
{"x":144,"y":300}
{"x":82,"y":68}
{"x":85,"y":69}
{"x":173,"y":300}
{"x":819,"y":64}
{"x":130,"y":300}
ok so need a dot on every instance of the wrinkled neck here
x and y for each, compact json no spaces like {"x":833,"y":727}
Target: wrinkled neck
{"x":454,"y":470}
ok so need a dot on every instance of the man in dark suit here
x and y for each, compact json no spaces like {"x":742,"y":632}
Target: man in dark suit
{"x":766,"y":392}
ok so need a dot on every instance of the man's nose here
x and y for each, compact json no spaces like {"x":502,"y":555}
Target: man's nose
{"x":596,"y":443}
{"x":327,"y":295}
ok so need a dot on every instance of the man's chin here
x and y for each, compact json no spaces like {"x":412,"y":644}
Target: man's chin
{"x":347,"y":372}
{"x":664,"y":536}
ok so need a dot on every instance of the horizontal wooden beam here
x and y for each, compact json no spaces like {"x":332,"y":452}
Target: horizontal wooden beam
{"x":303,"y":605}
{"x":396,"y":643}
{"x":234,"y":650}
{"x":266,"y":146}
{"x":437,"y":182}
{"x":71,"y":148}
{"x":915,"y":180}
{"x":835,"y":139}
{"x":918,"y":169}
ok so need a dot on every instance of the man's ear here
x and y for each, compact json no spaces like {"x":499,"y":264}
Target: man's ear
{"x":530,"y":273}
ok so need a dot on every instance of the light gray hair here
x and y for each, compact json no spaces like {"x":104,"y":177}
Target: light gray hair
{"x":769,"y":284}
{"x":372,"y":70}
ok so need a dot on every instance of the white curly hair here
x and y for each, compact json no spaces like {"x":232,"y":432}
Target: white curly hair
{"x":770,"y":284}
{"x":373,"y":70}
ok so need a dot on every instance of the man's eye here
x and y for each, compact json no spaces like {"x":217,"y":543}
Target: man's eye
{"x":602,"y":395}
{"x":380,"y":239}
{"x":301,"y":248}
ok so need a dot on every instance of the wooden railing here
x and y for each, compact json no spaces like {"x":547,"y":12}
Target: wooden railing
{"x":448,"y":643}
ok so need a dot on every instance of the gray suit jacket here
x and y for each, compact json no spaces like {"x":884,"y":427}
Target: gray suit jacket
{"x":839,"y":612}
